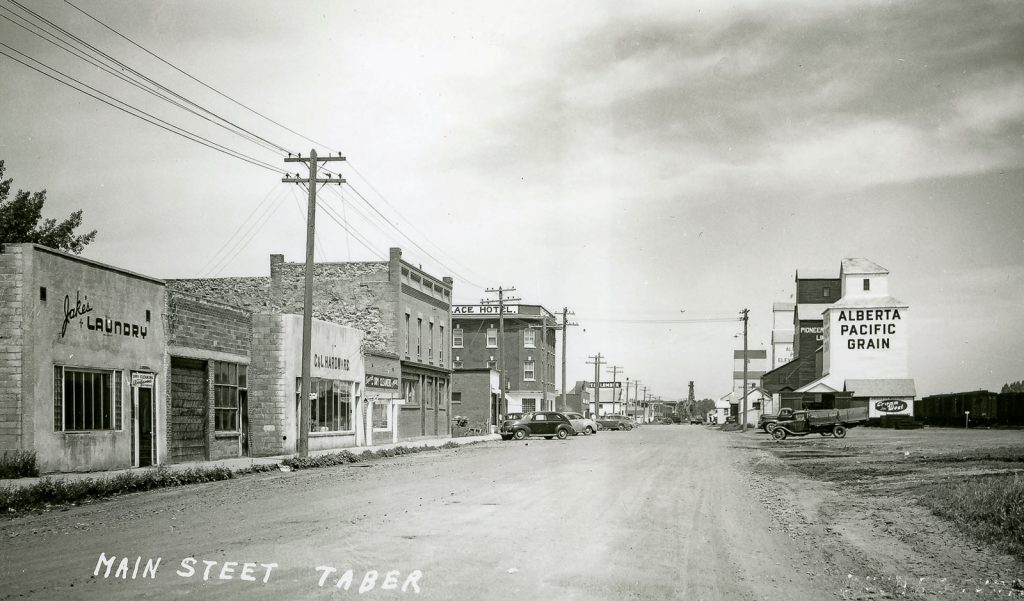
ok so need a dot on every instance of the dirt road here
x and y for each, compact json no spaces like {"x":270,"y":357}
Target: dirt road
{"x":662,"y":512}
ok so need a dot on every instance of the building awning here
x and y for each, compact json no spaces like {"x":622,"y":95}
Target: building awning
{"x":881,"y":388}
{"x":818,"y":386}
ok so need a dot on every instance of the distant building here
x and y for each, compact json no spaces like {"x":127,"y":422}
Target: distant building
{"x":782,"y":334}
{"x":528,"y":353}
{"x":858,"y":355}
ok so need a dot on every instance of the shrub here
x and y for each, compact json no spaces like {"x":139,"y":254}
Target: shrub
{"x":18,"y":464}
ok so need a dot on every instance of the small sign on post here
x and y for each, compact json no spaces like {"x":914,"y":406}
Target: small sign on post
{"x":967,"y":419}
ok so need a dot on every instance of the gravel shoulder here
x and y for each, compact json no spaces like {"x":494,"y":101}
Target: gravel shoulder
{"x":856,"y":498}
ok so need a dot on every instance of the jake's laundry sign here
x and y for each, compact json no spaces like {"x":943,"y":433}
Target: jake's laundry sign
{"x":866,"y":329}
{"x":104,"y":325}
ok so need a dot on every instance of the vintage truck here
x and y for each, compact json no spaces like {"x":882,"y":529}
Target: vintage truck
{"x":826,"y":422}
{"x":767,"y":421}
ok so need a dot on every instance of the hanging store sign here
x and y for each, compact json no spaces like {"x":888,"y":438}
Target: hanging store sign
{"x":143,"y":379}
{"x":483,"y":309}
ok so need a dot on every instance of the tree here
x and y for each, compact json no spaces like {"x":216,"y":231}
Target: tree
{"x":21,"y":220}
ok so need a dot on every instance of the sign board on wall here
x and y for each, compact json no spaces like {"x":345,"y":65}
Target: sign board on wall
{"x":883,"y":407}
{"x":483,"y":309}
{"x":143,"y":379}
{"x":387,"y":382}
{"x":604,"y":384}
{"x":867,"y":329}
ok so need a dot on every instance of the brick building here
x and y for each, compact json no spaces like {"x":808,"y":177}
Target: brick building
{"x":403,"y":312}
{"x":82,"y":361}
{"x":528,"y":351}
{"x":472,"y":390}
{"x":208,"y":360}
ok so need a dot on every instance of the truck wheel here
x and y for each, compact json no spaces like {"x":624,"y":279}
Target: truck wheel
{"x":839,"y":431}
{"x":563,"y":434}
{"x":779,"y":434}
{"x":520,"y":434}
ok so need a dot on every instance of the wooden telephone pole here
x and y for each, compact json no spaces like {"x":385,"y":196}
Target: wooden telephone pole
{"x":597,"y":363}
{"x":565,"y":334}
{"x":615,"y":369}
{"x":501,"y":343}
{"x":311,"y":182}
{"x":744,"y":313}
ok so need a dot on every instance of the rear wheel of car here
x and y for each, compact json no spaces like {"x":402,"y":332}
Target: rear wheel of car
{"x":520,"y":434}
{"x":562,"y":434}
{"x":589,"y":430}
{"x":839,"y":431}
{"x":779,"y":434}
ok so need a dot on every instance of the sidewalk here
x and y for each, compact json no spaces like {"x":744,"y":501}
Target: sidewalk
{"x":237,"y":463}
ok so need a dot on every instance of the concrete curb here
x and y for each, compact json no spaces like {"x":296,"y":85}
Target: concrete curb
{"x":239,"y":463}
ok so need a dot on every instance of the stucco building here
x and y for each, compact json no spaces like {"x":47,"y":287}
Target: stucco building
{"x":81,"y":367}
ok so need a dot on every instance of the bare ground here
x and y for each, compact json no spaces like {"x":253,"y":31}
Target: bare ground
{"x":662,"y":512}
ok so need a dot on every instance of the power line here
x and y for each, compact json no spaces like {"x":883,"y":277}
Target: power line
{"x":250,"y":136}
{"x":250,"y":234}
{"x":149,"y":118}
{"x":411,"y":225}
{"x":215,"y":256}
{"x":193,"y":78}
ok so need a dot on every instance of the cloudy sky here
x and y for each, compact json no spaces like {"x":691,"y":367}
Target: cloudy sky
{"x":628,"y":162}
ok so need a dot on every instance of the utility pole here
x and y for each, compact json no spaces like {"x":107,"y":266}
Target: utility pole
{"x":615,"y":369}
{"x":745,"y":313}
{"x":544,"y":359}
{"x":501,"y":343}
{"x":625,"y":403}
{"x":597,"y":363}
{"x":311,"y":182}
{"x":565,"y":334}
{"x":636,"y":393}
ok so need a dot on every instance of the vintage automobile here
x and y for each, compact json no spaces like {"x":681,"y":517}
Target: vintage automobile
{"x":697,"y":421}
{"x":826,"y":422}
{"x":549,"y":424}
{"x":615,"y":422}
{"x":582,"y":425}
{"x":509,"y":417}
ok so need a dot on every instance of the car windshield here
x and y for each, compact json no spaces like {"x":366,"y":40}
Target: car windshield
{"x":574,"y":416}
{"x":513,"y":416}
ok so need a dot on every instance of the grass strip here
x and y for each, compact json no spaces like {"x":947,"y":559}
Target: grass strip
{"x":51,"y":492}
{"x":988,"y":507}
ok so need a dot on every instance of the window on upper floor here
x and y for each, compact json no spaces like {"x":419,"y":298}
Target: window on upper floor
{"x":492,"y":337}
{"x":529,"y":371}
{"x":826,"y":291}
{"x":457,"y":339}
{"x":867,"y":283}
{"x":530,"y":338}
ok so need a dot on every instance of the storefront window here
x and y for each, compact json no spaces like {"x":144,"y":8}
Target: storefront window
{"x":330,"y":404}
{"x":86,"y":399}
{"x":230,"y":390}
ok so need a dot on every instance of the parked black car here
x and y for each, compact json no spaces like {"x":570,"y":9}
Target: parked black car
{"x":548,"y":424}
